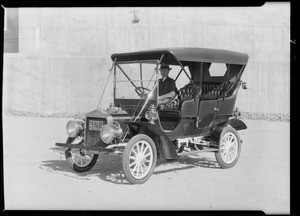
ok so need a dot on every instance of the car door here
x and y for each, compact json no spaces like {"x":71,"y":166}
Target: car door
{"x":206,"y":112}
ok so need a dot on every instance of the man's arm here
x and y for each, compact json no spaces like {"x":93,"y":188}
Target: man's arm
{"x":168,"y":95}
{"x":164,"y":98}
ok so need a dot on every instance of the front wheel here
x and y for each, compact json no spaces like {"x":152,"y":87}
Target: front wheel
{"x":139,"y":159}
{"x":78,"y":159}
{"x":229,"y":148}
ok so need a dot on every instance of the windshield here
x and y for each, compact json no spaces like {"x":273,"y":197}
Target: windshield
{"x":135,"y":80}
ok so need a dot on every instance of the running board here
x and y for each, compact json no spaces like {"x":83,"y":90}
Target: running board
{"x":196,"y":152}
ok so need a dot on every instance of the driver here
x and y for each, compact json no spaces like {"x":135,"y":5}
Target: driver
{"x":167,"y":86}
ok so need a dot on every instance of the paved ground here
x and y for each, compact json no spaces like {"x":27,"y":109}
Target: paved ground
{"x":36,"y":175}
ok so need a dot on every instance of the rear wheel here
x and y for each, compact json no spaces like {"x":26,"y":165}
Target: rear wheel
{"x":139,"y":159}
{"x":78,"y":159}
{"x":229,"y":148}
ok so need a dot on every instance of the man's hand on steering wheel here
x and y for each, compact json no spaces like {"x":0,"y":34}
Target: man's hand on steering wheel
{"x":142,"y":91}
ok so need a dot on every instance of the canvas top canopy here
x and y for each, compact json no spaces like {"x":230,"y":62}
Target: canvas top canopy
{"x":184,"y":54}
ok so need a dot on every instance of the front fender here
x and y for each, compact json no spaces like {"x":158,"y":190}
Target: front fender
{"x":165,"y":147}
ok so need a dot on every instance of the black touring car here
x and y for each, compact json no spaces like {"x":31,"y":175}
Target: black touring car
{"x":201,"y":117}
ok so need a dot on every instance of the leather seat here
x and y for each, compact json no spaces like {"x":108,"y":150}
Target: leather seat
{"x":214,"y":91}
{"x":187,"y":92}
{"x":210,"y":91}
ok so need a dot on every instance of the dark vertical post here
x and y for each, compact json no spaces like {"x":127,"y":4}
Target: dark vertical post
{"x":201,"y":76}
{"x":228,"y":72}
{"x":201,"y":93}
{"x":115,"y":83}
{"x":141,"y":74}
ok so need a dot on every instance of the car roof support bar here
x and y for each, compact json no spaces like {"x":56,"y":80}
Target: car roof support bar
{"x":111,"y":70}
{"x":187,"y":75}
{"x":237,"y":77}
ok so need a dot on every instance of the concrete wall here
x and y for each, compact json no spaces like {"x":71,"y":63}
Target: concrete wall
{"x":64,"y":53}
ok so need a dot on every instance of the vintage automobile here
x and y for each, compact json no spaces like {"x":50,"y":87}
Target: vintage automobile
{"x":201,"y":117}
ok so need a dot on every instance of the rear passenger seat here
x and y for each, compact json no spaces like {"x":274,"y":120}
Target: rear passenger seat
{"x":213,"y":91}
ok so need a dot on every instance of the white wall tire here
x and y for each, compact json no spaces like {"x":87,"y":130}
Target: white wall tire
{"x":229,"y":148}
{"x":139,"y":159}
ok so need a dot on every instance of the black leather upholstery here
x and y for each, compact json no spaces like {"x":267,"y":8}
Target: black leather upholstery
{"x":210,"y":91}
{"x":185,"y":93}
{"x":213,"y":91}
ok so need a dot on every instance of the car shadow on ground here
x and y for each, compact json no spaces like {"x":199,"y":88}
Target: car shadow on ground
{"x":186,"y":162}
{"x":109,"y":167}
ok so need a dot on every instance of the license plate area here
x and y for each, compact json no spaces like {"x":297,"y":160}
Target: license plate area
{"x":95,"y":125}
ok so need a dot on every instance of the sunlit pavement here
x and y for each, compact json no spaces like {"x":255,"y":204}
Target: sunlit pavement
{"x":37,"y":177}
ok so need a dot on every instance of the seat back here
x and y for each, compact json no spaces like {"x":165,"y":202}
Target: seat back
{"x":210,"y":91}
{"x":213,"y":91}
{"x":187,"y":92}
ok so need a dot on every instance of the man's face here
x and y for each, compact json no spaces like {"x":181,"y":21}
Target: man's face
{"x":164,"y":72}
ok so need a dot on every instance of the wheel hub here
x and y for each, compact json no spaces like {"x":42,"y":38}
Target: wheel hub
{"x":139,"y":159}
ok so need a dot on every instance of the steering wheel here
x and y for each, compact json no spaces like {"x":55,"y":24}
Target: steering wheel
{"x":142,"y":91}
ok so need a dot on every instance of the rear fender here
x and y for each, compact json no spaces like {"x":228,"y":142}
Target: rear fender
{"x":164,"y":146}
{"x":235,"y":123}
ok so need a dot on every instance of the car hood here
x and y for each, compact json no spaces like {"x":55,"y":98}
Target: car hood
{"x":115,"y":115}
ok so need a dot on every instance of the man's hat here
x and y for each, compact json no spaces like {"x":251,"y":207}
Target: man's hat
{"x":164,"y":65}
